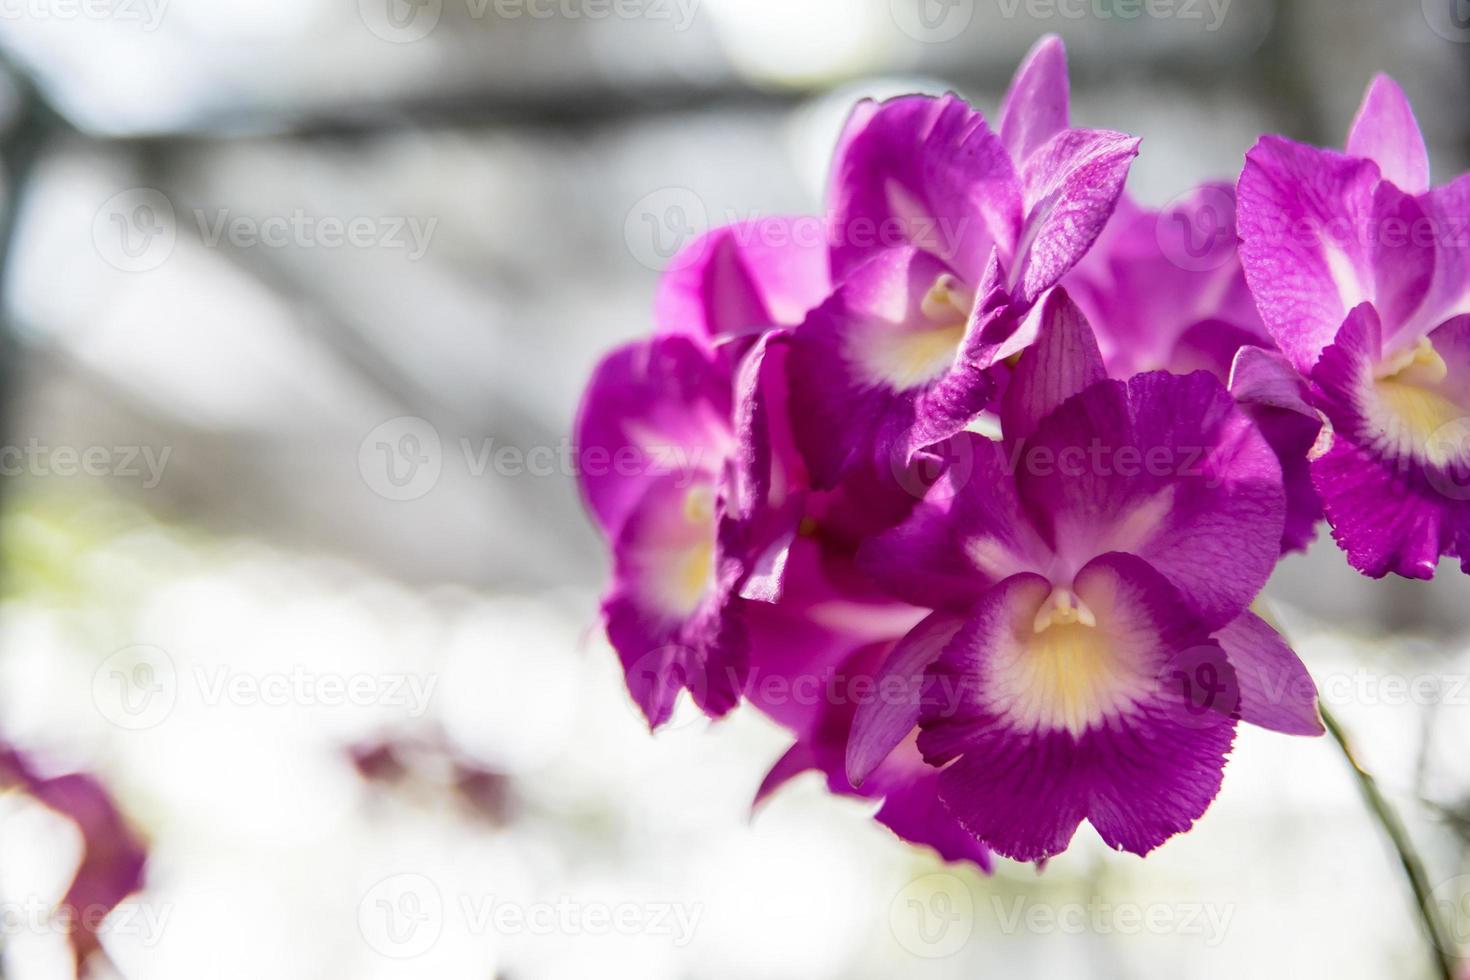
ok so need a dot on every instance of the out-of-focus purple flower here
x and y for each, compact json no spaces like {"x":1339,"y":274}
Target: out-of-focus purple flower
{"x":686,"y":462}
{"x":1101,"y":560}
{"x":113,"y":857}
{"x":654,"y":443}
{"x":943,"y":233}
{"x":1164,"y":290}
{"x":1361,"y":272}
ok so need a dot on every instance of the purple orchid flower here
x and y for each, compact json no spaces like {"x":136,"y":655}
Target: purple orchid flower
{"x":684,"y":465}
{"x":654,"y":438}
{"x":1165,"y":290}
{"x":1362,"y":275}
{"x":943,"y":233}
{"x":1096,"y":568}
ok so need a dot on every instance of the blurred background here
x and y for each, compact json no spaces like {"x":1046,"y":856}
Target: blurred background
{"x":298,"y":298}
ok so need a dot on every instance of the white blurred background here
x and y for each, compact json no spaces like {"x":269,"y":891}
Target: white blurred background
{"x":250,"y":249}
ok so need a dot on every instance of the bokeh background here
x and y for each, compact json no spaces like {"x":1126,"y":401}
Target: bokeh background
{"x":298,"y":297}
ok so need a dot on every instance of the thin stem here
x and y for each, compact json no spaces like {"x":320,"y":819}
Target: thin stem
{"x":1398,"y":836}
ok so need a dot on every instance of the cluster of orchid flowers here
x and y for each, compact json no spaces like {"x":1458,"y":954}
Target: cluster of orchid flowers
{"x":975,"y":494}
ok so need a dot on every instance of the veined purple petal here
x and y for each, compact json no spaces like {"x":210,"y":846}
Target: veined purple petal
{"x":1403,"y":261}
{"x":1070,"y":187}
{"x":1269,"y":390}
{"x":1039,"y":725}
{"x":1386,"y":132}
{"x":652,"y":409}
{"x":1167,"y":468}
{"x":876,"y":370}
{"x":1304,"y":217}
{"x":1035,"y":106}
{"x":927,"y":173}
{"x":1164,"y":290}
{"x":744,"y":278}
{"x":881,"y":723}
{"x":970,"y":532}
{"x":1062,"y":362}
{"x":1448,"y":209}
{"x":1276,"y":692}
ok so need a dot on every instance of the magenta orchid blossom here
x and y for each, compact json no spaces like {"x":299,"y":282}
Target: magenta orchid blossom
{"x":975,"y":495}
{"x":1361,"y":272}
